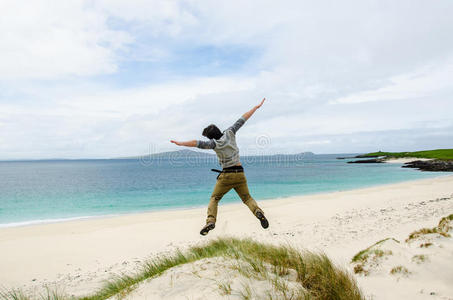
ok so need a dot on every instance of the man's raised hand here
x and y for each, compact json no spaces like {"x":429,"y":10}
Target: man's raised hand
{"x":259,"y":105}
{"x":248,"y":114}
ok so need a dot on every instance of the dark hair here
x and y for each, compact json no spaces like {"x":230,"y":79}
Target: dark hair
{"x":212,"y":132}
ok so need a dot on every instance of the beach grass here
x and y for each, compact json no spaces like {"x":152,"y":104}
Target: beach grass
{"x":420,"y":258}
{"x":425,"y":245}
{"x":443,"y":154}
{"x":225,"y":288}
{"x":442,"y":228}
{"x":399,"y":270}
{"x":365,"y":260}
{"x":363,"y":255}
{"x":316,"y":276}
{"x":14,"y":294}
{"x":50,"y":294}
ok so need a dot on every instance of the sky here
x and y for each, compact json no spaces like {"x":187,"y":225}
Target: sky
{"x":110,"y":78}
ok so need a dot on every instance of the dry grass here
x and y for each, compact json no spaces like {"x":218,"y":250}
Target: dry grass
{"x":442,"y":229}
{"x":363,"y":255}
{"x":359,"y":269}
{"x":369,"y":255}
{"x":399,"y":270}
{"x":425,"y":245}
{"x":368,"y":258}
{"x":444,"y":224}
{"x":419,"y":258}
{"x":424,"y":231}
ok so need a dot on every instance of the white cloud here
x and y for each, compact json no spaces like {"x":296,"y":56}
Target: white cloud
{"x":49,"y":39}
{"x":419,"y":84}
{"x":154,"y":98}
{"x":110,"y":123}
{"x":304,"y":55}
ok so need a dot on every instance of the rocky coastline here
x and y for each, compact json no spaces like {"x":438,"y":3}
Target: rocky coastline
{"x":367,"y":161}
{"x":431,"y":165}
{"x":434,"y":165}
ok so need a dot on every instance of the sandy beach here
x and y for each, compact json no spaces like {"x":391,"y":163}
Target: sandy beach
{"x":404,"y":160}
{"x":77,"y":256}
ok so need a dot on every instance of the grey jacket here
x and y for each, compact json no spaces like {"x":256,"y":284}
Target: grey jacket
{"x":226,"y":149}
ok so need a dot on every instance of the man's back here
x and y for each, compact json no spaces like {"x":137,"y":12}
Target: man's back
{"x":225,"y":147}
{"x":227,"y":150}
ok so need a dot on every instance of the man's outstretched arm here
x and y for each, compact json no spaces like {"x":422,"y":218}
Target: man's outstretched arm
{"x":248,"y":114}
{"x":238,"y":124}
{"x":192,"y":143}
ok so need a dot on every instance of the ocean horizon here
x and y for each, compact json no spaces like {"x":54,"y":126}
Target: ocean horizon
{"x":47,"y":191}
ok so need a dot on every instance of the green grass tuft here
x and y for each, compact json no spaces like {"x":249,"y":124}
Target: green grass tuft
{"x":442,"y":228}
{"x":363,"y":255}
{"x":225,"y":288}
{"x":17,"y":294}
{"x":14,"y":294}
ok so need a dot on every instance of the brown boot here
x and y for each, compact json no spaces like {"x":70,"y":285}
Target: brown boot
{"x":207,"y":228}
{"x":263,"y":220}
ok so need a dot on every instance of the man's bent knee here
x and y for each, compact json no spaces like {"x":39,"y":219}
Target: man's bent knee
{"x":216,"y":198}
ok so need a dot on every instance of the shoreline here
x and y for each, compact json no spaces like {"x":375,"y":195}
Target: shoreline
{"x":404,"y":160}
{"x":421,"y":164}
{"x":57,"y":220}
{"x":79,"y":255}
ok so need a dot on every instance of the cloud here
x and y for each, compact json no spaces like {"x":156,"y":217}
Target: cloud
{"x":49,"y":39}
{"x":422,"y":83}
{"x":109,"y":78}
{"x":153,"y":99}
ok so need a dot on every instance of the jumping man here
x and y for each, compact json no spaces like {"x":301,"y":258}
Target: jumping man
{"x":232,"y":174}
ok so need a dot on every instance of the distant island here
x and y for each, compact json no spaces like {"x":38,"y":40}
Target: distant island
{"x":190,"y":154}
{"x":172,"y":154}
{"x":428,"y":160}
{"x":442,"y":154}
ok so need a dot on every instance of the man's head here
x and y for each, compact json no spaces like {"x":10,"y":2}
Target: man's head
{"x":212,"y":132}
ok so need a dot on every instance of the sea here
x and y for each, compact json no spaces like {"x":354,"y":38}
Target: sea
{"x":46,"y":191}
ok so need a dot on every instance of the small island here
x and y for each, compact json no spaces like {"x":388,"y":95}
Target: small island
{"x":440,"y":160}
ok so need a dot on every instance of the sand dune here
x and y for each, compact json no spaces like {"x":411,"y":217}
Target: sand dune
{"x":416,"y":268}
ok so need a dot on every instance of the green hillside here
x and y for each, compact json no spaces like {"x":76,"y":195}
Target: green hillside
{"x":444,"y":154}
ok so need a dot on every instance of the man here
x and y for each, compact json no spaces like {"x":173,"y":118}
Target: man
{"x":232,"y":174}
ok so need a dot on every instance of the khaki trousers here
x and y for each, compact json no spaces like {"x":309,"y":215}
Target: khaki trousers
{"x":226,"y":182}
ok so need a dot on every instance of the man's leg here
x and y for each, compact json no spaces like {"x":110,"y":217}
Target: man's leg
{"x":242,"y":190}
{"x":221,"y":188}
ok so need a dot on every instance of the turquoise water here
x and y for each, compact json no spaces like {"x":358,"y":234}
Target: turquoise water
{"x":42,"y":191}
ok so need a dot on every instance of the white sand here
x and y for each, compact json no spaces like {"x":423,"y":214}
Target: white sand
{"x":427,"y":268}
{"x":404,"y":160}
{"x":80,"y":254}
